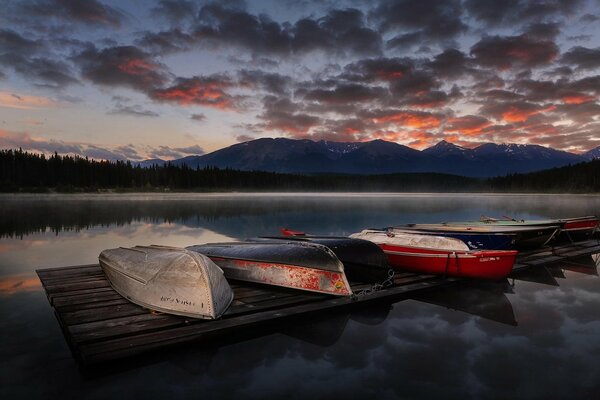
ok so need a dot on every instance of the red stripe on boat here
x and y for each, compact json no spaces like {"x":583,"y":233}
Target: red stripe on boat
{"x":285,"y":275}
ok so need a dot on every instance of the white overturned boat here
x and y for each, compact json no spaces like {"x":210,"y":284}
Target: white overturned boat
{"x":168,"y":279}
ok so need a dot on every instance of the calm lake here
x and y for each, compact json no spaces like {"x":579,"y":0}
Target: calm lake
{"x":534,"y":336}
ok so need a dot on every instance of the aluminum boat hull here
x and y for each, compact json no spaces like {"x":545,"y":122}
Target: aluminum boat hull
{"x":167,"y":279}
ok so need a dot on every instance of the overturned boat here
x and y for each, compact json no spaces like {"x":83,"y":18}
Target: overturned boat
{"x":168,"y":279}
{"x":293,"y":264}
{"x":440,"y":255}
{"x":363,"y":260}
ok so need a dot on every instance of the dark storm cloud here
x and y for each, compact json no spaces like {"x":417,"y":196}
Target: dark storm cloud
{"x":12,"y":42}
{"x":345,"y":93}
{"x":543,"y":30}
{"x":430,"y":19}
{"x":494,"y":12}
{"x":339,"y":31}
{"x":88,"y":12}
{"x":165,"y":42}
{"x":582,"y":57}
{"x":450,"y":63}
{"x":23,"y":56}
{"x":378,"y":69}
{"x":40,"y":70}
{"x":504,"y":52}
{"x":281,"y":114}
{"x":174,"y":10}
{"x":417,"y":81}
{"x":121,"y":66}
{"x":271,"y":82}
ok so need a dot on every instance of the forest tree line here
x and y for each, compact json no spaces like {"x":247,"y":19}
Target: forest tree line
{"x":22,"y":171}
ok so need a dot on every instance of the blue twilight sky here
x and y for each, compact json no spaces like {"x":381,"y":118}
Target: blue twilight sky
{"x":169,"y":78}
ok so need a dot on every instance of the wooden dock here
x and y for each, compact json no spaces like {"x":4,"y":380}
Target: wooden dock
{"x":100,"y":325}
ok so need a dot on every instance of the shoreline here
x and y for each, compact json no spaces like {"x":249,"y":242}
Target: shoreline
{"x":217,"y":194}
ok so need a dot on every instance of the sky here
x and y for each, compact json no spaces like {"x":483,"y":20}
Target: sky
{"x":169,"y":78}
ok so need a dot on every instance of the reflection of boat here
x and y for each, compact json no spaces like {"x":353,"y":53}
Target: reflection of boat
{"x":571,"y":229}
{"x":320,"y":330}
{"x":293,"y":264}
{"x":475,"y":240}
{"x":536,"y":275}
{"x":440,"y":255}
{"x":485,"y":301}
{"x":363,"y":260}
{"x":525,"y":237}
{"x":585,"y":265}
{"x":168,"y":279}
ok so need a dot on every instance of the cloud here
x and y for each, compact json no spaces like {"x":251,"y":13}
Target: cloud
{"x":437,"y":20}
{"x":504,"y":52}
{"x":166,"y":42}
{"x":15,"y":140}
{"x":271,"y":82}
{"x":378,"y":69}
{"x":467,"y":125}
{"x":408,"y":119}
{"x":516,"y":111}
{"x":134,"y":110}
{"x":121,"y":66}
{"x":206,"y":91}
{"x":25,"y":102}
{"x":493,"y":12}
{"x":174,"y":10}
{"x":244,"y":138}
{"x":198,"y":117}
{"x":344,"y":93}
{"x":85,"y":12}
{"x":582,"y":57}
{"x":543,"y":30}
{"x":195,"y":149}
{"x":22,"y":55}
{"x":12,"y":42}
{"x":166,"y":152}
{"x":339,"y":31}
{"x":451,"y":63}
{"x":280,"y":114}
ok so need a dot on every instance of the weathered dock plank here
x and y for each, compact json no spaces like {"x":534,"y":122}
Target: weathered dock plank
{"x":100,"y":325}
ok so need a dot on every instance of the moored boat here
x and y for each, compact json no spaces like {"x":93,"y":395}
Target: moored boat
{"x":168,"y":279}
{"x":571,"y":229}
{"x":293,"y":264}
{"x":525,"y":237}
{"x":440,"y":255}
{"x":475,"y":240}
{"x":363,"y":260}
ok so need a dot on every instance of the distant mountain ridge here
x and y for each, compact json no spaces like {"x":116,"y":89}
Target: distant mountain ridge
{"x":303,"y":156}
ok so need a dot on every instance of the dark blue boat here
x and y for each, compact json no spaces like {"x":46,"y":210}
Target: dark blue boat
{"x":475,"y":240}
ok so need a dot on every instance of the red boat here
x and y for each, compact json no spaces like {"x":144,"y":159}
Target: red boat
{"x":441,"y":255}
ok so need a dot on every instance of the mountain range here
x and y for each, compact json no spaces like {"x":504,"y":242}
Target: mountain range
{"x":303,"y":156}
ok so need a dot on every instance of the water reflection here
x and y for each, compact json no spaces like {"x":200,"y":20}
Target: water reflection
{"x":248,"y":215}
{"x":12,"y":284}
{"x":483,"y":299}
{"x":533,"y":337}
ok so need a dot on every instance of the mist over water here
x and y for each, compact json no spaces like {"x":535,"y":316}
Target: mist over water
{"x":535,"y":335}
